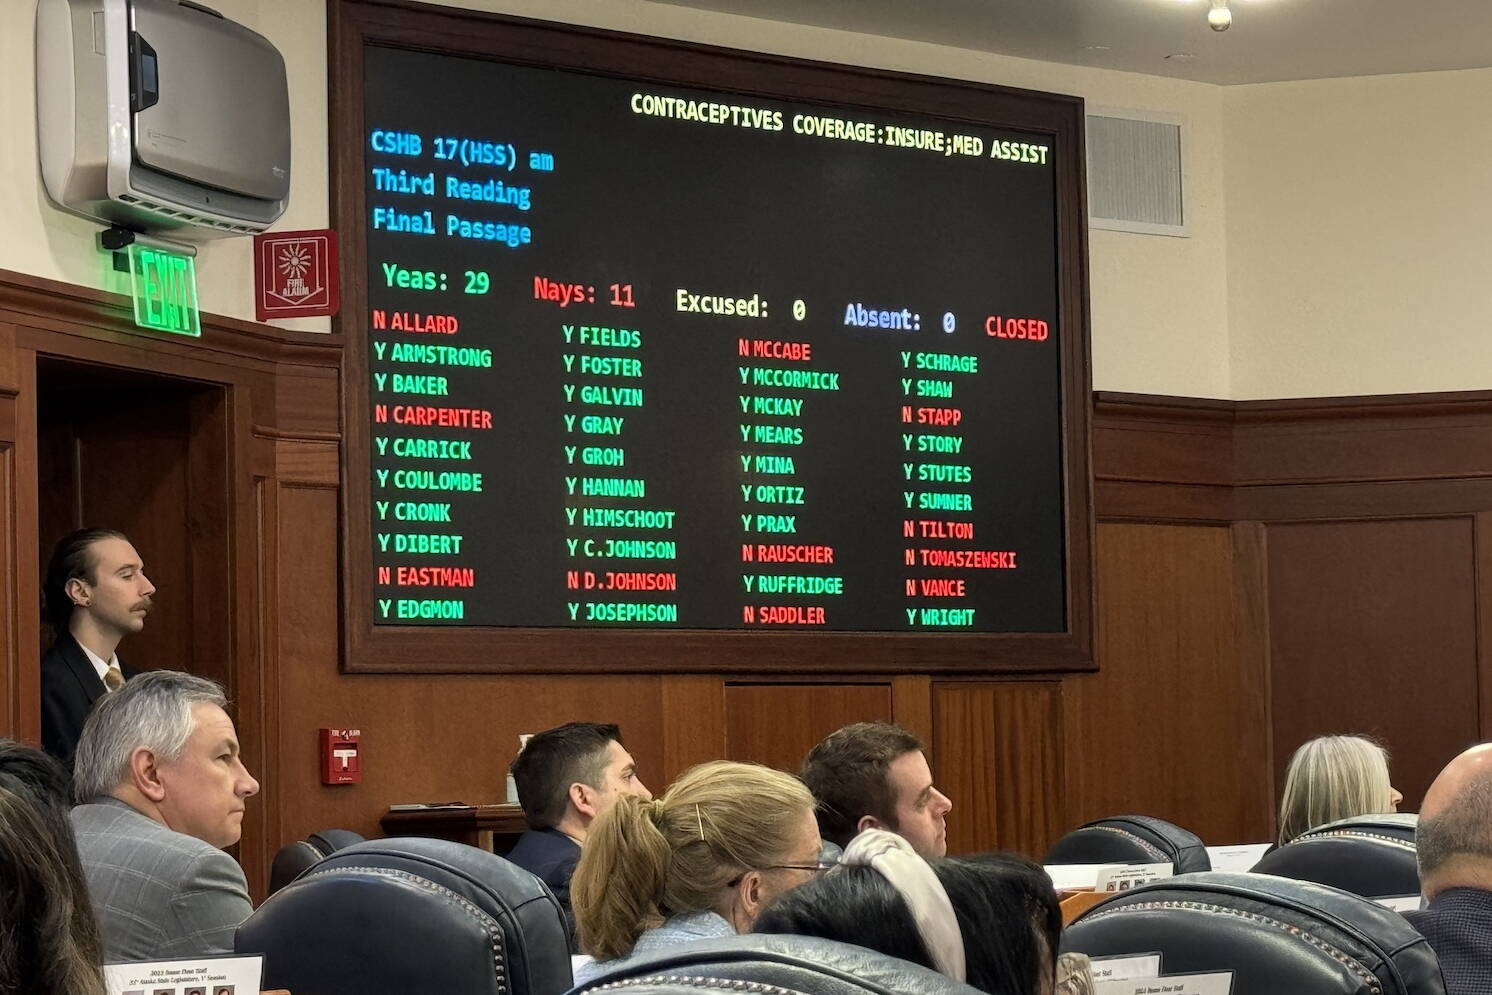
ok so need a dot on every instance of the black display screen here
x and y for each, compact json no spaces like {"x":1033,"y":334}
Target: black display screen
{"x":651,"y":357}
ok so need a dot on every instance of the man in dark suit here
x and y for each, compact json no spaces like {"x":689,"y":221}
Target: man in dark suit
{"x":567,"y":776}
{"x":1454,"y":842}
{"x":94,"y":594}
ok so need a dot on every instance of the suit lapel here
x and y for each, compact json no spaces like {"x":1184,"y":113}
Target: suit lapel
{"x":82,"y":668}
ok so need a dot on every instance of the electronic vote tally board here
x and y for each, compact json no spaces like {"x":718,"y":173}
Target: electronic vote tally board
{"x":652,"y":357}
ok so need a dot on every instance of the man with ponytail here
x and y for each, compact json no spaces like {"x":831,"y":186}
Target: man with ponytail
{"x":699,"y":863}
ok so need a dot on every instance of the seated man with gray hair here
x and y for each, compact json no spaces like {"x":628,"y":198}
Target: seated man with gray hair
{"x":162,"y":791}
{"x":1454,"y":845}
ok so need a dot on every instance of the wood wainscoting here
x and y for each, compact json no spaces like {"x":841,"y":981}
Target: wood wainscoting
{"x":1360,"y":567}
{"x":1265,"y":571}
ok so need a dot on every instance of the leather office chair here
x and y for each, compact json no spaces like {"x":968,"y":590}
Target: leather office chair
{"x":1275,"y":934}
{"x":1131,"y":839}
{"x":395,"y":916}
{"x":1368,"y":855}
{"x":294,"y":859}
{"x":804,"y":964}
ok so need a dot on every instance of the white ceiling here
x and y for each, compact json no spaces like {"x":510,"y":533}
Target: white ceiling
{"x":1270,"y":39}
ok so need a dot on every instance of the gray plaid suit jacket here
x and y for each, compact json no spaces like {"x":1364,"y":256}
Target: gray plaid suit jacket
{"x":159,"y":894}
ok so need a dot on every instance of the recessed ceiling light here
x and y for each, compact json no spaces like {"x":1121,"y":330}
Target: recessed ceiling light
{"x":1095,"y":48}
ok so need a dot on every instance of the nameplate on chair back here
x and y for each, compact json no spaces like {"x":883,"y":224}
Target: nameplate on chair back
{"x":203,"y":976}
{"x":1124,"y":878}
{"x":1131,"y":967}
{"x":1077,"y":877}
{"x":1240,"y":857}
{"x":1212,"y":983}
{"x":1401,"y":903}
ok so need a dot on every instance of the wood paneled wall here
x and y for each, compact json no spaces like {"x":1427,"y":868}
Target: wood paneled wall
{"x":1373,"y":630}
{"x":1265,"y":572}
{"x":1001,"y":750}
{"x":1174,"y":724}
{"x":1360,"y":558}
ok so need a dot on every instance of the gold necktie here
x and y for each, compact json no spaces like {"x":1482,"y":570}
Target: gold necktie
{"x":113,"y":678}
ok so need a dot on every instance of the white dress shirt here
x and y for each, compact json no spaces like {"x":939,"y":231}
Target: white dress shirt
{"x":99,"y":664}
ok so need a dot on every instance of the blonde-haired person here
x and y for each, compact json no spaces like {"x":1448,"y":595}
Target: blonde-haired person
{"x":698,"y":863}
{"x":1335,"y":777}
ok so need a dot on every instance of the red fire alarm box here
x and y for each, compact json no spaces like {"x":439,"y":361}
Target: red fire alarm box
{"x":341,"y":760}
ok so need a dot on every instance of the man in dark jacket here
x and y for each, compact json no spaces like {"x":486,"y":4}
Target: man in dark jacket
{"x":94,"y":594}
{"x":1454,"y":841}
{"x":567,"y":776}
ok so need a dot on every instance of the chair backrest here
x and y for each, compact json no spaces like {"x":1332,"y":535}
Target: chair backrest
{"x":764,"y":963}
{"x":1368,"y":855}
{"x":394,"y":916}
{"x":329,"y":841}
{"x":1131,"y":839}
{"x":294,"y":859}
{"x":291,"y":861}
{"x":1275,"y":934}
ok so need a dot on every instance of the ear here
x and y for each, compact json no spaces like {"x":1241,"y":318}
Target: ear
{"x":869,"y":822}
{"x":583,"y":799}
{"x":77,"y":591}
{"x":749,"y":896}
{"x":145,"y":775}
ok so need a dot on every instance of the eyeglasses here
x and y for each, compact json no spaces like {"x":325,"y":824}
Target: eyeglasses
{"x":818,"y":867}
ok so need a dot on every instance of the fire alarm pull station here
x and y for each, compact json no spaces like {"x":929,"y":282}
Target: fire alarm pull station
{"x":341,"y":760}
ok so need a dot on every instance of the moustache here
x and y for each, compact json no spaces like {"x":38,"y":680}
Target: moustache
{"x":144,"y":605}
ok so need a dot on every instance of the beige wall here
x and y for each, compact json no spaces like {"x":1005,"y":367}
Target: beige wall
{"x":45,"y":241}
{"x":1159,"y":304}
{"x":1360,"y":235}
{"x":1337,"y":226}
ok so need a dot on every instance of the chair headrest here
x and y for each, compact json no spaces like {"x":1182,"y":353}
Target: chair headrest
{"x":805,"y":964}
{"x":1401,"y":825}
{"x":1275,"y":934}
{"x":1131,"y":839}
{"x":401,"y":915}
{"x":1372,"y":856}
{"x":292,"y":860}
{"x":329,"y":841}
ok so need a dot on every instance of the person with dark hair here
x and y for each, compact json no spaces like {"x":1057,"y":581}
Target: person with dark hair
{"x":874,"y":775}
{"x":567,"y":776}
{"x":49,"y":941}
{"x":162,"y":790}
{"x":990,"y":921}
{"x":1453,"y":843}
{"x":94,"y":594}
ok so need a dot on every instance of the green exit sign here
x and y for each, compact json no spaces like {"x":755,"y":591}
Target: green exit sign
{"x":164,"y":286}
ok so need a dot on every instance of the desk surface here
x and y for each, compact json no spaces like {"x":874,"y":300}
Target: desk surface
{"x":500,"y":818}
{"x":491,"y":827}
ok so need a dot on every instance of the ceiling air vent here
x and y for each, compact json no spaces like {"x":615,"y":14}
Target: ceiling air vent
{"x":1135,"y":172}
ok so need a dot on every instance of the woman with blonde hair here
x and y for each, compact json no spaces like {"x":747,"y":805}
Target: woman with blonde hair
{"x":1335,"y":777}
{"x":698,"y":863}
